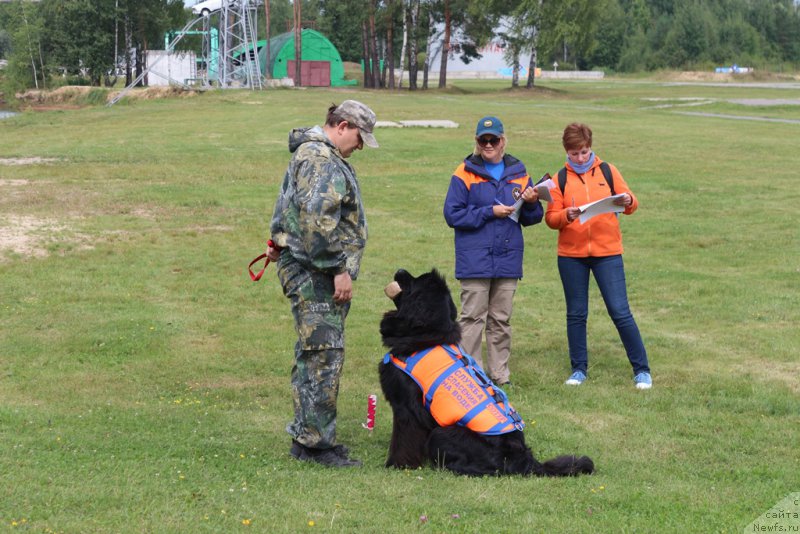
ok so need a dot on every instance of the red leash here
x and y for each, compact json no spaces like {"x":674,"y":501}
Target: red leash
{"x":255,"y":277}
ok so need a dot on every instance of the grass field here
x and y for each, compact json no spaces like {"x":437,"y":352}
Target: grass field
{"x":144,"y":379}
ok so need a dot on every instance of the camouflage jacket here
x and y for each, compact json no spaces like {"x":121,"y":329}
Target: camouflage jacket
{"x":319,"y":216}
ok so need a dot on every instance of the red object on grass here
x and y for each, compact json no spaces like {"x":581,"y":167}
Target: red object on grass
{"x":372,"y":401}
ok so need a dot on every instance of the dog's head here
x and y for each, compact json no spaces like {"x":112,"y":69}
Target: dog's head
{"x":425,"y":314}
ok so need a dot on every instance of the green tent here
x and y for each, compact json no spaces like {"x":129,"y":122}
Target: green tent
{"x":316,"y":48}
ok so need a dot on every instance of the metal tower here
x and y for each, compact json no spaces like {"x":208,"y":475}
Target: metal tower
{"x":238,"y":51}
{"x":230,"y":60}
{"x":210,"y":52}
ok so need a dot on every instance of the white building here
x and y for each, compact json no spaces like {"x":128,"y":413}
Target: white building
{"x":171,"y":68}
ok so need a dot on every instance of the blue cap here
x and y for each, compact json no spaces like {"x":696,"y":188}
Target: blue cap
{"x":489,"y":125}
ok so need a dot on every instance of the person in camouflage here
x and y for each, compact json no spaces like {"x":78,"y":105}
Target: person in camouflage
{"x":319,"y":231}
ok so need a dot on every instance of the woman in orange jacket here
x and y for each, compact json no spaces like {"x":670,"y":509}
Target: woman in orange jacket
{"x":593,"y":246}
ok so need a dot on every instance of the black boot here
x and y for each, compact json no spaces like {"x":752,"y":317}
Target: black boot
{"x":337,"y":456}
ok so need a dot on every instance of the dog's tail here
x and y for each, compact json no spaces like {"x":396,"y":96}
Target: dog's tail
{"x":565,"y":466}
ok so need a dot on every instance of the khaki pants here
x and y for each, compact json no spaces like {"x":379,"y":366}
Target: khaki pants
{"x":486,"y":304}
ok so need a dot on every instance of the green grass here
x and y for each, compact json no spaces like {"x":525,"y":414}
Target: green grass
{"x":144,"y":380}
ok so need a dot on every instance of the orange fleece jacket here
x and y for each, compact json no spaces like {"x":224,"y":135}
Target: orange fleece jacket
{"x":599,"y":236}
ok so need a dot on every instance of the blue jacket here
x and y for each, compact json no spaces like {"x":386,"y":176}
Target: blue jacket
{"x":488,"y":247}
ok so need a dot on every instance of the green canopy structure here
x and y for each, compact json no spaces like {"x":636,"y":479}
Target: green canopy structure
{"x":321,"y":62}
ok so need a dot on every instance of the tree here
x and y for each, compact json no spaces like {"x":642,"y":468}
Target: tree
{"x":445,"y":45}
{"x":612,"y":27}
{"x":373,"y":61}
{"x":79,"y":37}
{"x":144,"y":22}
{"x":514,"y":37}
{"x":570,"y":26}
{"x":81,"y":48}
{"x":787,"y":24}
{"x":405,"y":44}
{"x":521,"y":34}
{"x":26,"y":58}
{"x":471,"y":25}
{"x":412,"y":15}
{"x":5,"y":43}
{"x":268,"y":36}
{"x":690,"y":37}
{"x":738,"y":42}
{"x":297,"y":28}
{"x":340,"y":21}
{"x":635,"y":53}
{"x":434,"y":35}
{"x":533,"y":19}
{"x":390,"y":15}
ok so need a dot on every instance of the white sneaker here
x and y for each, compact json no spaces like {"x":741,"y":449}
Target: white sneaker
{"x":576,"y":379}
{"x":643,"y":381}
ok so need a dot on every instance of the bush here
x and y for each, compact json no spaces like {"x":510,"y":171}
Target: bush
{"x":76,"y":79}
{"x":97,"y":96}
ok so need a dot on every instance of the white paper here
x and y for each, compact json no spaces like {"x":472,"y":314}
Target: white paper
{"x":517,"y":207}
{"x":543,"y":188}
{"x":605,"y":205}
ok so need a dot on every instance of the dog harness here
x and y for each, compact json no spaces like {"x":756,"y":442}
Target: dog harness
{"x":456,"y":391}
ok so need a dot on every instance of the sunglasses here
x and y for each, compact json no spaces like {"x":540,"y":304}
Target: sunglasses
{"x":486,"y":141}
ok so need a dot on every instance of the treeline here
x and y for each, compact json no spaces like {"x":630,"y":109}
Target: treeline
{"x":54,"y":42}
{"x":611,"y":35}
{"x":95,"y":41}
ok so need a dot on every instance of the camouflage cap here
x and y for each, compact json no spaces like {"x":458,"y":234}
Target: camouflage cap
{"x":362,"y":117}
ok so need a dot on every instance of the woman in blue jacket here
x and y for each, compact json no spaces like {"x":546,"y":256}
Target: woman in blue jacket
{"x":488,"y":241}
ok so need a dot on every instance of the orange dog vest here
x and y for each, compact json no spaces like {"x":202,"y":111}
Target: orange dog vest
{"x":456,"y":391}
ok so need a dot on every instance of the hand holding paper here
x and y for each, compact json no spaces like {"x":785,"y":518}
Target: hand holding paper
{"x":605,"y":205}
{"x":500,"y":210}
{"x":543,"y":187}
{"x":542,"y":190}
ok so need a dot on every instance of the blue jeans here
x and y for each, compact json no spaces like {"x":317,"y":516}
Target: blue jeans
{"x":609,"y":273}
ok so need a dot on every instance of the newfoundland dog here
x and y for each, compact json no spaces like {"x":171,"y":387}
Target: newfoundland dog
{"x":446,"y":410}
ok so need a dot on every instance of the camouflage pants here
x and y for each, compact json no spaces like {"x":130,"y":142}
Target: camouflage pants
{"x":318,"y":355}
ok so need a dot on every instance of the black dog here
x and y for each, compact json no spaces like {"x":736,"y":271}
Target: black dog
{"x":425,"y":320}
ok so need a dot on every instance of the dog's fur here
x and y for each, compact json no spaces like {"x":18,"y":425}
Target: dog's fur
{"x":425,"y":317}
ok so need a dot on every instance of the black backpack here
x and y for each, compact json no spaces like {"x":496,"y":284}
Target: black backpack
{"x":562,"y":177}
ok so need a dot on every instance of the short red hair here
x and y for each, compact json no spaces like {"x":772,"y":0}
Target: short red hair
{"x":577,"y":136}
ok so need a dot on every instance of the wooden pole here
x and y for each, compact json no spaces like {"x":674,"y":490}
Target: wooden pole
{"x":268,"y":65}
{"x":298,"y":41}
